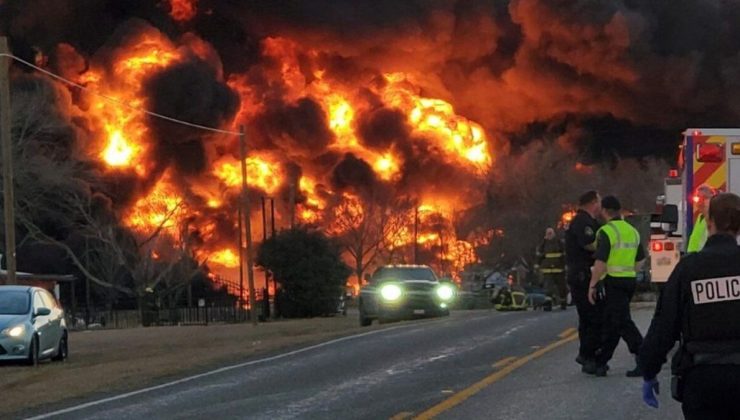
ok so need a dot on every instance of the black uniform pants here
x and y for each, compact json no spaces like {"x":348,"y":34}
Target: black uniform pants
{"x":589,"y":316}
{"x":556,"y":287}
{"x":617,"y":319}
{"x":712,"y":392}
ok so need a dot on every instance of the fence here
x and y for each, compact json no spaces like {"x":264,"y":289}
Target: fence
{"x":164,"y":317}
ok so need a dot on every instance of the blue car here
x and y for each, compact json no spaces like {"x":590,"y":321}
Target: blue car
{"x":32,"y":325}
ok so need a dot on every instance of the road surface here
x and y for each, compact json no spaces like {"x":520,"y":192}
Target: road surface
{"x":476,"y":364}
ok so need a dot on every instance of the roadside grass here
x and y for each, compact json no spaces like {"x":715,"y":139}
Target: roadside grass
{"x":108,"y":361}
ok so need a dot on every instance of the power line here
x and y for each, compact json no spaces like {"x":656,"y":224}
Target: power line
{"x":116,"y":101}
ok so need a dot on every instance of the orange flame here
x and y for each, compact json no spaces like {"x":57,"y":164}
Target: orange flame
{"x":262,"y":173}
{"x":225,"y":257}
{"x":124,"y":128}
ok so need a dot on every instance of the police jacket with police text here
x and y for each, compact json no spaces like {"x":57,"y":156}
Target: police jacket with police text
{"x":699,"y":305}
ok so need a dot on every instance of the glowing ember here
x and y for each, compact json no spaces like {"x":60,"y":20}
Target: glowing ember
{"x":225,"y":257}
{"x":183,"y":10}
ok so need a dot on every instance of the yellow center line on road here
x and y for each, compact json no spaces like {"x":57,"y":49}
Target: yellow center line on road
{"x":503,"y":362}
{"x":567,"y":332}
{"x":477,"y":387}
{"x":402,"y":415}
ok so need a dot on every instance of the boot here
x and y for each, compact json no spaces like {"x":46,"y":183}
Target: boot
{"x":589,"y":367}
{"x":637,"y":371}
{"x":601,"y":370}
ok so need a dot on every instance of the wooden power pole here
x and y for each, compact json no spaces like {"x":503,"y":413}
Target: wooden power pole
{"x":247,"y":226}
{"x":7,"y":160}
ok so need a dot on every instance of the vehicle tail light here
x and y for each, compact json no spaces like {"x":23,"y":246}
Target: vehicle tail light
{"x":673,"y":173}
{"x":668,"y":246}
{"x":710,"y":152}
{"x":657,"y":246}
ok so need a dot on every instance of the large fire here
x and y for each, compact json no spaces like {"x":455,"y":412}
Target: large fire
{"x":124,"y":144}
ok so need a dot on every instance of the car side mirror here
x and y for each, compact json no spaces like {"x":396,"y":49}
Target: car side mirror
{"x":42,"y":312}
{"x":669,"y":218}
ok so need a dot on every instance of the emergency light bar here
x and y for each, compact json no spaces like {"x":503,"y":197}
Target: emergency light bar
{"x":710,"y":152}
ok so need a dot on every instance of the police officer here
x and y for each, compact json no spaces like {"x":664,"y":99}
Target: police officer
{"x":580,"y":241}
{"x":619,"y":255}
{"x":699,"y":233}
{"x":700,"y":307}
{"x":551,"y":260}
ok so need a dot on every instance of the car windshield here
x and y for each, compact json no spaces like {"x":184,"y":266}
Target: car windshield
{"x":404,"y":273}
{"x":14,"y":302}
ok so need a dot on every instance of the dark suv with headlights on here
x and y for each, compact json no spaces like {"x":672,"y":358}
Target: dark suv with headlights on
{"x":398,"y":292}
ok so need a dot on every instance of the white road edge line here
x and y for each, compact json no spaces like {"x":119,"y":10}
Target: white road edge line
{"x":214,"y":372}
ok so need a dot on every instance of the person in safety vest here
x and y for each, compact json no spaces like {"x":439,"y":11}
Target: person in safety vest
{"x":700,"y":307}
{"x":551,"y":260}
{"x":619,"y":256}
{"x":699,"y":233}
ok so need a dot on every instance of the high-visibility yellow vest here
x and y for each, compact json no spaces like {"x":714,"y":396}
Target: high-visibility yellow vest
{"x":624,"y":241}
{"x":698,"y":236}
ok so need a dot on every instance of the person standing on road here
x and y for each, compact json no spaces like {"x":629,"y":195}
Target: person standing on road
{"x":619,"y":256}
{"x":700,"y":307}
{"x":580,"y":245}
{"x":701,"y":205}
{"x":551,"y":260}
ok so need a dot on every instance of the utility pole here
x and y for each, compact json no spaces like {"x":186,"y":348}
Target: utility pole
{"x":416,"y":235}
{"x":272,"y":234}
{"x":7,"y":156}
{"x":292,"y":203}
{"x":247,"y":225}
{"x":264,"y":238}
{"x":240,"y":250}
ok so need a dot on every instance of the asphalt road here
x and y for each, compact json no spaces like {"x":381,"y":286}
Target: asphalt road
{"x":477,"y":364}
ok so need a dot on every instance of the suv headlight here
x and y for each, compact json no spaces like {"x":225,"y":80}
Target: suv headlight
{"x":391,"y":292}
{"x":16,"y":331}
{"x":445,"y":292}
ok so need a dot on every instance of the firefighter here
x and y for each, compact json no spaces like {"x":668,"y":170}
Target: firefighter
{"x":551,"y":259}
{"x":699,"y":234}
{"x":700,"y":307}
{"x":619,"y":256}
{"x":580,"y":241}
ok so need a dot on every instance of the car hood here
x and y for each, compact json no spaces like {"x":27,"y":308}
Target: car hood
{"x":7,"y":321}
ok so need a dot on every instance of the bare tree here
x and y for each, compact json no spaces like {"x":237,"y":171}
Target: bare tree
{"x":367,"y":227}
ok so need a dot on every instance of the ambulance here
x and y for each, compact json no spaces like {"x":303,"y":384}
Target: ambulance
{"x":708,"y":156}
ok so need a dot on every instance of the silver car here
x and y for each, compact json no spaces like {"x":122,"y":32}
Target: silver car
{"x":32,"y":325}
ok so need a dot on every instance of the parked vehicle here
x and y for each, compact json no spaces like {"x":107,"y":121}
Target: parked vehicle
{"x":32,"y":325}
{"x":399,"y":292}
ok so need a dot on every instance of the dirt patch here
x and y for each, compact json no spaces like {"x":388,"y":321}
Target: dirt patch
{"x":117,"y":360}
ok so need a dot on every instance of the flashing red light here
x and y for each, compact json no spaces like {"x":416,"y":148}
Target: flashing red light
{"x":710,"y":152}
{"x":697,"y":133}
{"x":669,"y":246}
{"x":696,"y":198}
{"x":673,"y":173}
{"x":657,"y":246}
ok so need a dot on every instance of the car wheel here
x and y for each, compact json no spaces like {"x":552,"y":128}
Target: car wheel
{"x":364,"y":320}
{"x":63,"y":350}
{"x":33,"y":352}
